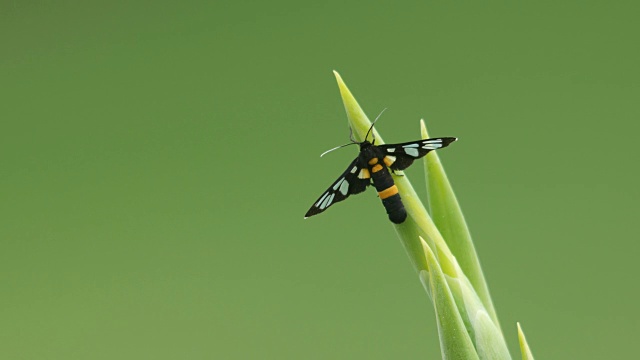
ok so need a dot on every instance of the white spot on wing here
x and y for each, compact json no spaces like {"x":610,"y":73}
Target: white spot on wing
{"x":330,"y":199}
{"x":411,"y":151}
{"x":410,"y":146}
{"x":344,"y":187}
{"x":432,"y":141}
{"x":391,"y":149}
{"x":353,"y":171}
{"x":322,"y":198}
{"x":326,"y":202}
{"x":337,"y":185}
{"x":432,"y":146}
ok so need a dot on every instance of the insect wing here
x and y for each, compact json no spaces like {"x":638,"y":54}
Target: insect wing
{"x":352,"y":181}
{"x":400,"y":156}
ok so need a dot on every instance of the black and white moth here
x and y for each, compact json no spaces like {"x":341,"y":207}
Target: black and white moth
{"x":372,"y":166}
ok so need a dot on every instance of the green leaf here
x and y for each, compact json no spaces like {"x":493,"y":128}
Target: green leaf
{"x":524,"y":347}
{"x":455,"y":342}
{"x":467,"y":323}
{"x":448,"y":217}
{"x":485,"y":334}
{"x":418,"y":222}
{"x":488,"y":338}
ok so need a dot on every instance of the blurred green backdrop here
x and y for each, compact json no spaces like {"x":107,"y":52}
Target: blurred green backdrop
{"x":157,"y":158}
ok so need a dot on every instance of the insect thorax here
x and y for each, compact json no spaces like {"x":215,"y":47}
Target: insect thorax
{"x":368,"y":152}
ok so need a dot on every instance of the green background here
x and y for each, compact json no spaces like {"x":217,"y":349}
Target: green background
{"x":157,"y":159}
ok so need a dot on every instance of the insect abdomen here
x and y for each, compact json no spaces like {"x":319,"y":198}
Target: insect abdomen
{"x":395,"y":209}
{"x":388,"y":193}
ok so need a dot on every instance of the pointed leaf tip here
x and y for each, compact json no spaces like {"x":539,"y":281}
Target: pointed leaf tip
{"x":339,"y":79}
{"x":423,"y":129}
{"x":449,"y":219}
{"x":358,"y":121}
{"x":524,"y":347}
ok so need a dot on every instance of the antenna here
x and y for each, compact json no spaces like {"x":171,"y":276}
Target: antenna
{"x":374,"y":122}
{"x":353,"y":141}
{"x":336,"y":148}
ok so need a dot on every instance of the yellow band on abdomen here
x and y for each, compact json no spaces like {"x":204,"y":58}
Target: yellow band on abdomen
{"x":390,"y":191}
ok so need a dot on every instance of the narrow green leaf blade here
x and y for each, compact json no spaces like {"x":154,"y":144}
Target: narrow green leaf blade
{"x":448,"y":217}
{"x":418,"y":222}
{"x":455,"y":342}
{"x":358,"y":120}
{"x":485,"y":334}
{"x":488,"y":338}
{"x":524,"y":347}
{"x":463,"y":304}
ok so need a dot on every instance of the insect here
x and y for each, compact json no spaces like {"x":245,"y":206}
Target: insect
{"x":372,"y":166}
